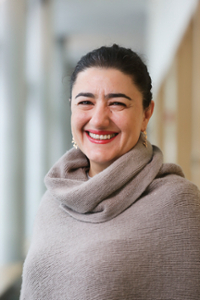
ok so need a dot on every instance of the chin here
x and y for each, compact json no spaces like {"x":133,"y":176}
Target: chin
{"x":102,"y":161}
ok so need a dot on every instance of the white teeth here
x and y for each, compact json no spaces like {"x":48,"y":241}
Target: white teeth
{"x":101,"y":137}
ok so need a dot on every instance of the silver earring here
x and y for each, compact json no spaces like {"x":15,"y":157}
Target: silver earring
{"x":145,"y":138}
{"x":74,"y":143}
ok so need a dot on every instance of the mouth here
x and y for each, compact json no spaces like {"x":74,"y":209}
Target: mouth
{"x":102,"y":137}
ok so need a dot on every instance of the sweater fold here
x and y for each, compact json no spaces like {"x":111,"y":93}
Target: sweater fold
{"x":108,"y":193}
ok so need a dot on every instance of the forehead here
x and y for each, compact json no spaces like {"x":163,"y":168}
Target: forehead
{"x":103,"y":78}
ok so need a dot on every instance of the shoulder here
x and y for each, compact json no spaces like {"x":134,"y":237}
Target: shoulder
{"x":47,"y":213}
{"x":176,"y":195}
{"x":170,"y":179}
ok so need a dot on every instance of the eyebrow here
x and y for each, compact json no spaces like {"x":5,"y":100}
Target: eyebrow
{"x":89,"y":95}
{"x":117,"y":95}
{"x":109,"y":96}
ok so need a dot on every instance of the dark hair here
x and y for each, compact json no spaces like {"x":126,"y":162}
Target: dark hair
{"x":122,"y":59}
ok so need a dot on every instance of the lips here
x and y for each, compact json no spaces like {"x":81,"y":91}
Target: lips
{"x":101,"y":137}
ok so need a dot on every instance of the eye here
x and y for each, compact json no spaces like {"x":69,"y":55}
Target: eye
{"x":85,"y":102}
{"x":116,"y":103}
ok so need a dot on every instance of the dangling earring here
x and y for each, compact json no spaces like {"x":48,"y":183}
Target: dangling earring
{"x":145,"y":138}
{"x":74,"y":143}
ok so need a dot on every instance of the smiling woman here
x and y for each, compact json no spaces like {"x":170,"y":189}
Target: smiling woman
{"x":107,"y":115}
{"x":115,"y":222}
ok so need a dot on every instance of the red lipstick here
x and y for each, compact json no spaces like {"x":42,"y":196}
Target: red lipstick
{"x":100,"y":132}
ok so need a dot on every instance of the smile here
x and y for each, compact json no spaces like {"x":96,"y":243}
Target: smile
{"x":102,"y":137}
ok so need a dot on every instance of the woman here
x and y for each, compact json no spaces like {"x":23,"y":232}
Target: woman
{"x":115,"y":222}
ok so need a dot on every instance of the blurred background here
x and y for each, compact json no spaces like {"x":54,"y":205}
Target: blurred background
{"x":40,"y":43}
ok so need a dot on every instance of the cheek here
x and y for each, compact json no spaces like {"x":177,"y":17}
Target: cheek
{"x":78,"y":120}
{"x":126,"y":122}
{"x":131,"y":125}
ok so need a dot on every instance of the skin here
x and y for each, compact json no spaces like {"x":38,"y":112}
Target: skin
{"x":106,"y":102}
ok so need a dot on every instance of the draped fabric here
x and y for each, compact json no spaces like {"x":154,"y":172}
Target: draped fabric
{"x":130,"y":232}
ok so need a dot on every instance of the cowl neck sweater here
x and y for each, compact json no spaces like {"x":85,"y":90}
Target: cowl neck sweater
{"x":131,"y":232}
{"x":108,"y":193}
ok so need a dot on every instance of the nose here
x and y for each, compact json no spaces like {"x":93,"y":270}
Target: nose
{"x":100,"y":116}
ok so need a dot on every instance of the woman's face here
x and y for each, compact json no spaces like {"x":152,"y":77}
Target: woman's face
{"x":107,"y":115}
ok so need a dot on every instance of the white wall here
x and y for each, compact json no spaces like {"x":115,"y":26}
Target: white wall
{"x":167,"y":21}
{"x":12,"y":120}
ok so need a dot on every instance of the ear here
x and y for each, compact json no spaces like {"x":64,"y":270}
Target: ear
{"x":70,"y":103}
{"x":147,"y":115}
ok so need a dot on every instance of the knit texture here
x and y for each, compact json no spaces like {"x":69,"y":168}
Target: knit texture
{"x":130,"y":232}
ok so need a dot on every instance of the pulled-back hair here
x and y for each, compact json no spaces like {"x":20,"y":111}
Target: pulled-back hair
{"x":122,"y":59}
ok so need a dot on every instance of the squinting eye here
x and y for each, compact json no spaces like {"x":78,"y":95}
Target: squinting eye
{"x":118,"y":104}
{"x":85,"y":102}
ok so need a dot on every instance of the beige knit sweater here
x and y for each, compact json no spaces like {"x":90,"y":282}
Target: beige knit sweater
{"x":132,"y":232}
